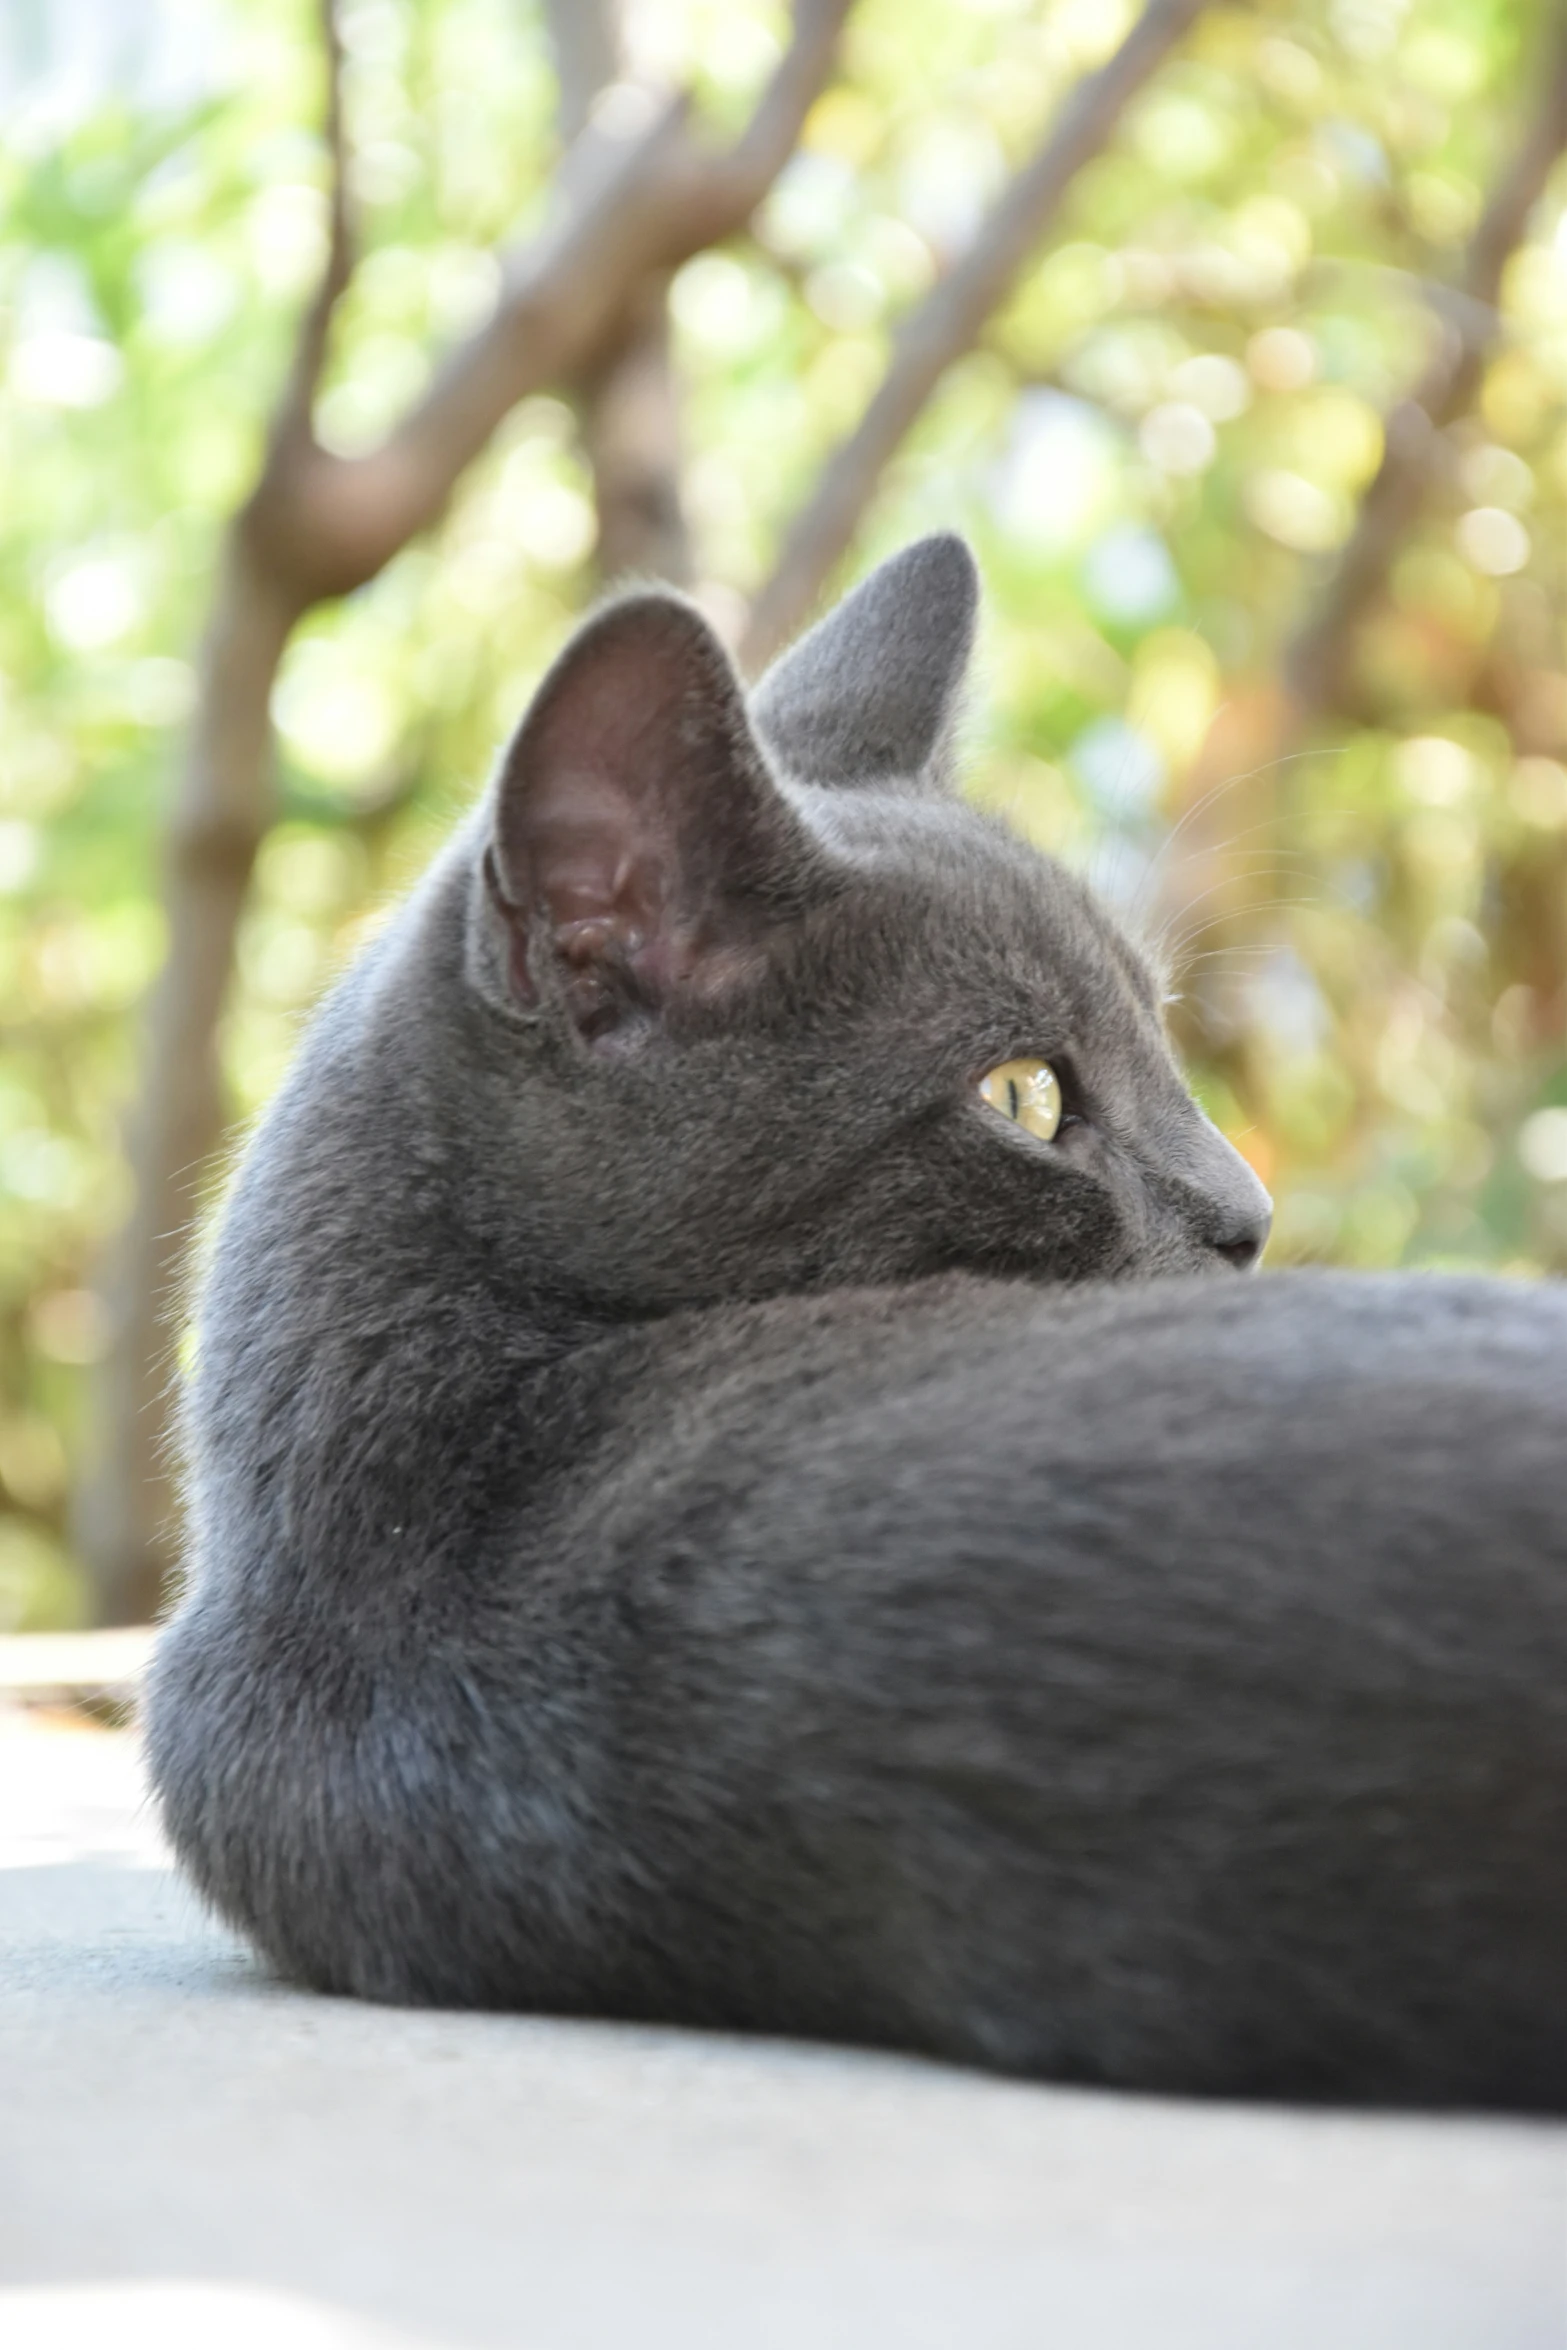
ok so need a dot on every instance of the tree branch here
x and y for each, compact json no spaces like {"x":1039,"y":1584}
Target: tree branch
{"x":318,"y":525}
{"x":126,"y":1506}
{"x":587,"y":39}
{"x":1265,"y":722}
{"x":949,"y":321}
{"x":627,"y":403}
{"x":645,"y":204}
{"x":738,"y":181}
{"x":630,"y":420}
{"x":1317,"y":661}
{"x":291,"y":425}
{"x":221,"y":813}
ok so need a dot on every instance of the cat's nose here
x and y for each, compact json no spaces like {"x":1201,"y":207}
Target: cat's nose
{"x":1236,"y":1214}
{"x":1243,"y":1244}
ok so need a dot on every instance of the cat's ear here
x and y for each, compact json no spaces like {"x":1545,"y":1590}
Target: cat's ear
{"x":872,"y":694}
{"x":639,"y":849}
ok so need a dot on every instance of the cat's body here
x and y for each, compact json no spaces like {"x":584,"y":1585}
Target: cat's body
{"x":667,"y":1541}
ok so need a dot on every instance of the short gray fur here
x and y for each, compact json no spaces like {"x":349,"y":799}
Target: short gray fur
{"x":691,"y":1519}
{"x":872,"y":694}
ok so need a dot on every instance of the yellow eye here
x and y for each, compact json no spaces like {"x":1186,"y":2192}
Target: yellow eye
{"x":1027,"y":1092}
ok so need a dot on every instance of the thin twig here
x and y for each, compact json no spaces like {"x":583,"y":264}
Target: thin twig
{"x":740,"y":179}
{"x":292,"y":421}
{"x":949,"y":321}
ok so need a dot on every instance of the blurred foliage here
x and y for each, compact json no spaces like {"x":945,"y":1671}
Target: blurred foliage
{"x":1156,"y":451}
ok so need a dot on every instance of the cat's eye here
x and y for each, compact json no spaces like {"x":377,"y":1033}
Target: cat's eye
{"x":1027,"y":1092}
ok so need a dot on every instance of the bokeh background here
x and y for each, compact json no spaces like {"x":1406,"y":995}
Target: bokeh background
{"x":1161,"y":439}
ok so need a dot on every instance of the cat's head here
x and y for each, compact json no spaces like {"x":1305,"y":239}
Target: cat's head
{"x":740,"y":970}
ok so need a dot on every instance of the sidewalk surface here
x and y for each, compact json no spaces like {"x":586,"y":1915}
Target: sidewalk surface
{"x":190,"y":2155}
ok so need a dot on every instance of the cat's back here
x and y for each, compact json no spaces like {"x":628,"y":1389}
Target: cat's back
{"x":1146,"y":1381}
{"x":1186,"y":1666}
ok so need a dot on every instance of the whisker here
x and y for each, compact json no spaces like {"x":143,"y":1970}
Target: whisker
{"x":1235,"y":954}
{"x":1228,"y":783}
{"x":1179,"y":958}
{"x":1223,"y":848}
{"x":1248,"y":865}
{"x":1285,"y":868}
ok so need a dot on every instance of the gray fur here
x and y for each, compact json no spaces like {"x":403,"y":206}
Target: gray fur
{"x":689,"y":1519}
{"x":872,"y":693}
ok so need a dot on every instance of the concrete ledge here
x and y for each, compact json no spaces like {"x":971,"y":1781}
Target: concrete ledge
{"x":75,"y":1664}
{"x":191,"y":2154}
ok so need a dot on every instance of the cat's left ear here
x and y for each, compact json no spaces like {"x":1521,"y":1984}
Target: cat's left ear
{"x":872,"y":695}
{"x":640,"y":852}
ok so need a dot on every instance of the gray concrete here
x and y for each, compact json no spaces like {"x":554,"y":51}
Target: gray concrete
{"x":189,"y":2155}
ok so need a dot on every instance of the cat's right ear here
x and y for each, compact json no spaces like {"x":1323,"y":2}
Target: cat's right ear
{"x":873,"y":694}
{"x":640,"y":852}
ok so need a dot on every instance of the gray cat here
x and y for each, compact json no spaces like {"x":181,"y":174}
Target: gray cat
{"x":690,"y":1519}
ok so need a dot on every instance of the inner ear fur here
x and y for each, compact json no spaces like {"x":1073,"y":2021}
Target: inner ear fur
{"x":873,"y":694}
{"x":639,"y":845}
